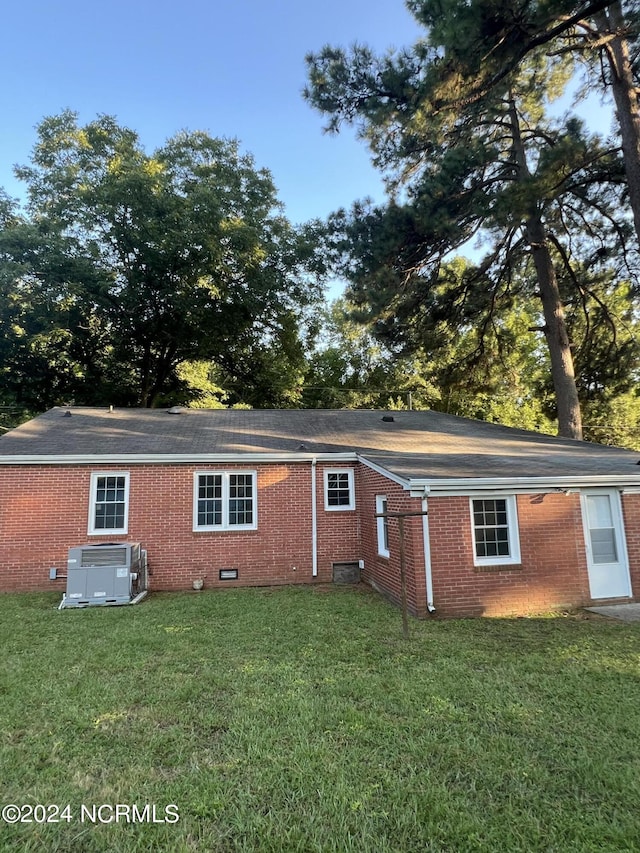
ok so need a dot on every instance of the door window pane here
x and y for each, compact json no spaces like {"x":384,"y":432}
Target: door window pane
{"x":601,"y":529}
{"x":603,"y":546}
{"x":599,"y":511}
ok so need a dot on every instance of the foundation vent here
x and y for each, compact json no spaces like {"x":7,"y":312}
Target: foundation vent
{"x":344,"y":573}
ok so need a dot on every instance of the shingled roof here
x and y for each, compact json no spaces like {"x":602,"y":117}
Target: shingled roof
{"x":412,"y":446}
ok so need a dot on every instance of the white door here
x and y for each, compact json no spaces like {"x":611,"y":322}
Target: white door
{"x":607,"y":560}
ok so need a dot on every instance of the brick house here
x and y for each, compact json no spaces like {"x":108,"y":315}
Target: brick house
{"x":498,"y":520}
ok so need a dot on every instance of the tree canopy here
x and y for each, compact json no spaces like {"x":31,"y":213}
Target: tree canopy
{"x":127,"y":266}
{"x":541,"y":196}
{"x":488,"y":40}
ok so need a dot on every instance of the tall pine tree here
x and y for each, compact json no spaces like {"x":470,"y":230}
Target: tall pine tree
{"x":493,"y":167}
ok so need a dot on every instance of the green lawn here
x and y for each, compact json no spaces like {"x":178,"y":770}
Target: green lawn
{"x":298,"y":719}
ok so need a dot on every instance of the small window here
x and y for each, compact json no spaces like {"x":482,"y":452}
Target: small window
{"x":495,"y":531}
{"x":109,"y":503}
{"x":382,"y":526}
{"x":225,"y":500}
{"x":339,"y":489}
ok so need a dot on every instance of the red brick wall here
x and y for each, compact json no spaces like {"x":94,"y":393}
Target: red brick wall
{"x":631,"y":516}
{"x":383,"y":573}
{"x":552,"y":572}
{"x":338,"y":530}
{"x":45,"y":510}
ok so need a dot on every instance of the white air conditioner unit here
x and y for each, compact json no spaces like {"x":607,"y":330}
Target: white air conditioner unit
{"x":109,"y":573}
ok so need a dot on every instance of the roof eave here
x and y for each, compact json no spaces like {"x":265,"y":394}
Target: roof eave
{"x":173,"y":458}
{"x":424,"y":487}
{"x":460,"y":486}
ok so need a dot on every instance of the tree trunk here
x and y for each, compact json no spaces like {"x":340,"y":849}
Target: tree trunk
{"x":625,"y":95}
{"x":145,"y":378}
{"x":555,"y":329}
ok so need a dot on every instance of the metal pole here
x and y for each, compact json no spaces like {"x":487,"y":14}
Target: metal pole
{"x":403,"y":581}
{"x":403,"y":574}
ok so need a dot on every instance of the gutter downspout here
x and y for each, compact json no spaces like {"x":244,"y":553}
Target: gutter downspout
{"x":314,"y":519}
{"x":427,"y":557}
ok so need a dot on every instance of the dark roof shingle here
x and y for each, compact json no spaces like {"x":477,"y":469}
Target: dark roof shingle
{"x":414,"y":445}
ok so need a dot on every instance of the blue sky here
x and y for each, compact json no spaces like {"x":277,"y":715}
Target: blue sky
{"x":233,"y":68}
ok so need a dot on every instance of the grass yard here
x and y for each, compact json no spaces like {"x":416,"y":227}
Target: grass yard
{"x":298,"y":719}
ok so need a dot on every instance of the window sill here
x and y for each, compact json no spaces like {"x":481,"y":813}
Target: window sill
{"x":107,"y":532}
{"x":499,"y":567}
{"x":238,"y":529}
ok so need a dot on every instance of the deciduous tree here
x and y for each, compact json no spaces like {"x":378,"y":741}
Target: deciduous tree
{"x":183,"y":255}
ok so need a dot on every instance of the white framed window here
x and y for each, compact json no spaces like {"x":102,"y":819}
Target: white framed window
{"x":225,"y":500}
{"x":109,"y":502}
{"x":339,"y":490}
{"x":382,"y":526}
{"x":494,"y":522}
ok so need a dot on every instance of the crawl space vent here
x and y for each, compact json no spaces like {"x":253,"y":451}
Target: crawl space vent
{"x":346,"y":572}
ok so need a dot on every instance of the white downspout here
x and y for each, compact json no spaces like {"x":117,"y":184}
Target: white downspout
{"x":314,"y":520}
{"x":427,"y":557}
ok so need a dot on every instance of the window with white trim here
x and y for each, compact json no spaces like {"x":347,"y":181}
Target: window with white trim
{"x":382,"y":526}
{"x":339,"y":491}
{"x":495,"y":531}
{"x":225,"y":500}
{"x":109,"y":502}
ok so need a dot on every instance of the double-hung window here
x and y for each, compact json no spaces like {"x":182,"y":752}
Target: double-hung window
{"x":225,"y":500}
{"x":109,"y":504}
{"x":495,"y":531}
{"x":382,"y":526}
{"x":339,"y":492}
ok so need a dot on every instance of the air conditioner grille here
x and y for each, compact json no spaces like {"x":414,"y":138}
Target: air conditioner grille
{"x":103,"y":557}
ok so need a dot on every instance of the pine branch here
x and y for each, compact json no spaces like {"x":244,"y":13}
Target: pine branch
{"x":476,"y":94}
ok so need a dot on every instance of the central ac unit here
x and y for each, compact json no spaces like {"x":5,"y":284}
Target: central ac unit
{"x":109,"y":573}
